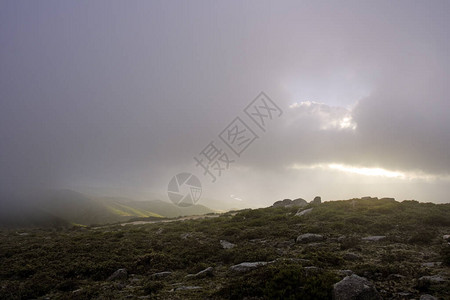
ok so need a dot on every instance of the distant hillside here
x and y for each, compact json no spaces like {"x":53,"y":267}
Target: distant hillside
{"x":64,"y":207}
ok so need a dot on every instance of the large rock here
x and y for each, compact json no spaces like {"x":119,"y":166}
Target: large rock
{"x":299,"y":202}
{"x":354,"y":287}
{"x":368,"y":198}
{"x":290,"y":203}
{"x":120,"y":274}
{"x":317,"y":200}
{"x":283,"y":203}
{"x":309,"y":238}
{"x":247,"y":266}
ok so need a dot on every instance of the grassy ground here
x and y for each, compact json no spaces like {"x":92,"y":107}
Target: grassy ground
{"x":75,"y":263}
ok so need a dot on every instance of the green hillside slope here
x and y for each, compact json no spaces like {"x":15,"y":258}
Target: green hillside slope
{"x":401,"y":248}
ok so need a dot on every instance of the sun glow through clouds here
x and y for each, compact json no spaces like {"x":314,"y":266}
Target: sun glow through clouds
{"x":367,"y":171}
{"x":379,"y":172}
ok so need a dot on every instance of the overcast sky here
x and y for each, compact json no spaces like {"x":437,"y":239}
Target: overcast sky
{"x":117,"y":97}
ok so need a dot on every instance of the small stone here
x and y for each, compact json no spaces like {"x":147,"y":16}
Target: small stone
{"x":120,"y":274}
{"x":309,"y":238}
{"x":161,"y":274}
{"x":204,"y":273}
{"x":404,"y":294}
{"x":185,"y":288}
{"x":427,"y":297}
{"x":185,"y":236}
{"x":432,"y":264}
{"x":351,"y":256}
{"x":227,"y":245}
{"x":374,"y":238}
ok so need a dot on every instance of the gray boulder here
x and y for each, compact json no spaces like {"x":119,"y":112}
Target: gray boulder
{"x":354,"y":287}
{"x":309,"y":238}
{"x":367,"y":198}
{"x":283,"y":203}
{"x":299,"y":202}
{"x":120,"y":274}
{"x":290,"y":203}
{"x":317,"y":200}
{"x":247,"y":266}
{"x":303,"y":212}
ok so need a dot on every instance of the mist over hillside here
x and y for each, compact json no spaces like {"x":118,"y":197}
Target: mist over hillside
{"x":67,"y":208}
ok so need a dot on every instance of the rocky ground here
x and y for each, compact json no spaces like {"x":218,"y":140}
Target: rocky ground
{"x":356,"y":249}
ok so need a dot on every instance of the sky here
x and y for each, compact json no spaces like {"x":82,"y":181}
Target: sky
{"x":117,"y":97}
